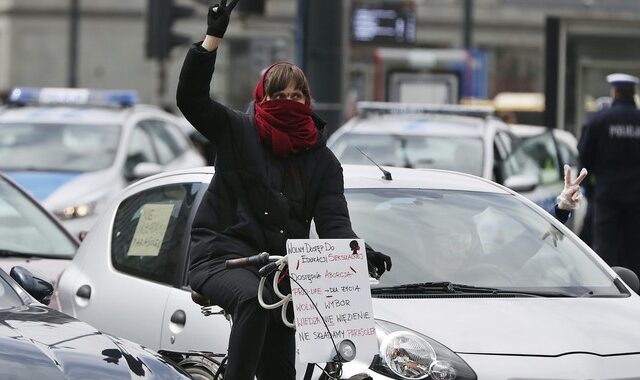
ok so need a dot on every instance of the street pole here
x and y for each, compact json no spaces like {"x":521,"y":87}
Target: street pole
{"x":319,"y":51}
{"x":74,"y":16}
{"x":467,"y":24}
{"x":162,"y":79}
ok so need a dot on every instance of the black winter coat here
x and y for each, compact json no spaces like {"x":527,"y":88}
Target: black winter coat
{"x":256,"y":200}
{"x":610,"y":149}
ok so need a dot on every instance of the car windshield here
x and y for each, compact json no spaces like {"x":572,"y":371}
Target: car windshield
{"x":473,"y":238}
{"x":463,"y":154}
{"x":8,"y":297}
{"x":26,"y":231}
{"x":57,"y":147}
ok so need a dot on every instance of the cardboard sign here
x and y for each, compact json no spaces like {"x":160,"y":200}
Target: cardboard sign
{"x":147,"y":239}
{"x":334,"y":275}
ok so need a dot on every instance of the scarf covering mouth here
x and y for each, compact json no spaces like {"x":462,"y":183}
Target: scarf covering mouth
{"x":285,"y":125}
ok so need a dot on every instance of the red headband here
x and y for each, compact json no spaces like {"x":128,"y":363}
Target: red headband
{"x":258,"y":92}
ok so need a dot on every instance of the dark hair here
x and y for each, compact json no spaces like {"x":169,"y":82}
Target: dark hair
{"x":283,"y":74}
{"x":625,"y":91}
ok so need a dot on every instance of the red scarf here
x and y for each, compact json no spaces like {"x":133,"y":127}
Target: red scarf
{"x":285,"y":125}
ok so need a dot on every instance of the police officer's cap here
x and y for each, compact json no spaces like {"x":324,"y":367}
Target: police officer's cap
{"x":622,"y":80}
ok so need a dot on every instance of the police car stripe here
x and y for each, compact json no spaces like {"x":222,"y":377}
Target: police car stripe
{"x":41,"y":184}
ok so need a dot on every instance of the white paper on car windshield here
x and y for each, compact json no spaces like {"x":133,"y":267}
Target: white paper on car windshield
{"x":147,"y":239}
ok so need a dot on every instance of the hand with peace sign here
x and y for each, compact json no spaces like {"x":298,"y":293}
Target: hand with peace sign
{"x":218,"y":18}
{"x":570,"y":195}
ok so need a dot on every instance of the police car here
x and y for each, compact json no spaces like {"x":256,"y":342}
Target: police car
{"x":450,"y":137}
{"x":74,"y":149}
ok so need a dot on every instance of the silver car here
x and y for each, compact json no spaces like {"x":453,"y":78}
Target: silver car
{"x":31,"y":237}
{"x":449,"y":137}
{"x":74,"y":149}
{"x":484,"y":283}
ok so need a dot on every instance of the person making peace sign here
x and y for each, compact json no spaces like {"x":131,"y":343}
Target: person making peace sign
{"x":274,"y":175}
{"x":570,"y":196}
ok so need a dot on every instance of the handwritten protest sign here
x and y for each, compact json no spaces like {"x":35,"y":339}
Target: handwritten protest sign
{"x":334,"y":274}
{"x":147,"y":239}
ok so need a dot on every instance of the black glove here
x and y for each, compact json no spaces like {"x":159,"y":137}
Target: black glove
{"x":218,"y":18}
{"x":379,"y":262}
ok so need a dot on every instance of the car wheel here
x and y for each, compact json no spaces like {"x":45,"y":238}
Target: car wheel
{"x":201,"y":368}
{"x":199,"y":373}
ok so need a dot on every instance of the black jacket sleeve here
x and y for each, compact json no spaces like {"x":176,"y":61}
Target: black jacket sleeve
{"x":561,"y":215}
{"x":330,"y":213}
{"x":209,"y":117}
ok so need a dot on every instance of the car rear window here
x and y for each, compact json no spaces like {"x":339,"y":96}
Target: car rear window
{"x":150,"y":231}
{"x":463,"y":154}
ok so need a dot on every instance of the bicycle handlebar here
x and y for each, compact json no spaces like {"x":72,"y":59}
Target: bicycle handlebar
{"x":260,"y":259}
{"x":344,"y":352}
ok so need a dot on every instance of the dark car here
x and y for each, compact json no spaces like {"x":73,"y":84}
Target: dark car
{"x":37,"y":342}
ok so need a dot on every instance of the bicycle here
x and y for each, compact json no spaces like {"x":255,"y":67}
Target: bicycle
{"x":211,"y":366}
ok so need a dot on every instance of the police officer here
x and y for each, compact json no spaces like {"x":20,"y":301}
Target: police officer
{"x":610,"y":149}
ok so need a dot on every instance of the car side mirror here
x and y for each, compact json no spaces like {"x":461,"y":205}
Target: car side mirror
{"x":38,"y":288}
{"x":144,"y":169}
{"x":629,"y":277}
{"x":521,"y":182}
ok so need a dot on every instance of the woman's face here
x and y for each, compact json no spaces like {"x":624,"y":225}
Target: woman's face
{"x":289,"y":93}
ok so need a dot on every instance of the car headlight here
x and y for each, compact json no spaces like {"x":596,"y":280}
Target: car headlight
{"x":74,"y":212}
{"x":406,"y":354}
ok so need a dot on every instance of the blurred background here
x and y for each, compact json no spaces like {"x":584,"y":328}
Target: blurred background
{"x":539,"y":61}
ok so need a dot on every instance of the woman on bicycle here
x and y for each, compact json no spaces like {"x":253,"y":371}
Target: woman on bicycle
{"x":274,"y":174}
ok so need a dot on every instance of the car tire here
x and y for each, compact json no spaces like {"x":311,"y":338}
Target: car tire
{"x":201,"y":368}
{"x":200,"y":373}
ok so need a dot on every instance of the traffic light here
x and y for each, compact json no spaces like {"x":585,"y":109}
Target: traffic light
{"x":161,"y":14}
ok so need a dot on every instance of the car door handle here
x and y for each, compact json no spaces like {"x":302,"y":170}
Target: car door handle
{"x":179,"y":317}
{"x":84,"y":292}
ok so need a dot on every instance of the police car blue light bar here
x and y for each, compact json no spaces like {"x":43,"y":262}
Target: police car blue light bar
{"x":73,"y":97}
{"x":384,"y":108}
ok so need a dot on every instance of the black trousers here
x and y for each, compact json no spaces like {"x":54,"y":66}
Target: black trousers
{"x":260,"y":344}
{"x":617,"y":234}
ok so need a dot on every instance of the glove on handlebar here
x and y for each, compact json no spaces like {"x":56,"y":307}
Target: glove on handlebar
{"x":379,"y":261}
{"x":218,"y":18}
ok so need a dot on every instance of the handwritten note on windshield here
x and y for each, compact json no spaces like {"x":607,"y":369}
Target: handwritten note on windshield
{"x":334,"y":275}
{"x":147,"y":239}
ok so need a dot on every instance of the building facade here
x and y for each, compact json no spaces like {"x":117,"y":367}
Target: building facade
{"x":35,"y":41}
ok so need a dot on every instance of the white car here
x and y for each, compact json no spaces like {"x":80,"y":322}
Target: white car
{"x":484,"y":282}
{"x":449,"y":137}
{"x":74,"y":149}
{"x":538,"y":143}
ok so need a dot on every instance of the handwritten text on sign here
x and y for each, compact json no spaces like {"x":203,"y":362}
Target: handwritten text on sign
{"x":335,"y":276}
{"x":149,"y":234}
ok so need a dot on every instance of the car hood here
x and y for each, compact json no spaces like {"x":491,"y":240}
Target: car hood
{"x":39,"y":343}
{"x":41,"y":184}
{"x":521,"y":326}
{"x":87,"y":187}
